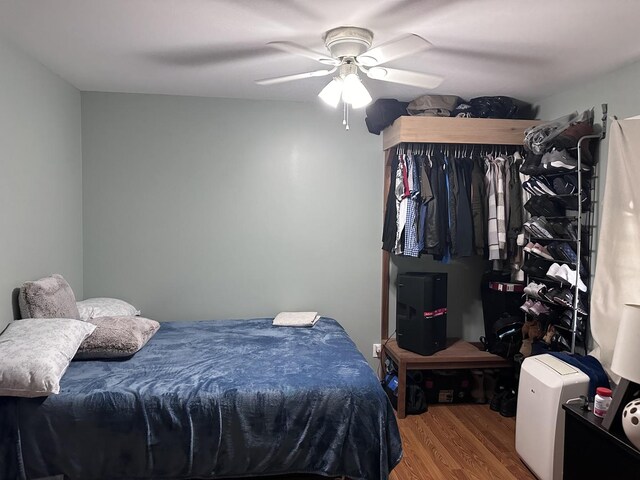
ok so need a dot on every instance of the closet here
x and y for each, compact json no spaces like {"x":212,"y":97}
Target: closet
{"x":468,"y":132}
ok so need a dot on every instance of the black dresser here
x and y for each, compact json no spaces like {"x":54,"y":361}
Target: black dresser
{"x":590,"y":451}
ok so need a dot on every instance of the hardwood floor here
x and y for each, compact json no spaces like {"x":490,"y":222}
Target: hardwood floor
{"x":459,"y":442}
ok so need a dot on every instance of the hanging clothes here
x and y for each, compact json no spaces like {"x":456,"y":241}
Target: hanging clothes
{"x":390,"y":225}
{"x":451,"y":202}
{"x":432,"y":222}
{"x":501,"y":206}
{"x":411,"y":248}
{"x":426,"y":196}
{"x":514,"y":224}
{"x":464,"y":230}
{"x":401,"y":194}
{"x":478,"y":210}
{"x":439,"y":170}
{"x":453,"y":188}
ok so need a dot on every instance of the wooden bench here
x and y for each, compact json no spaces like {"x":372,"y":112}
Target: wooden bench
{"x":458,"y":355}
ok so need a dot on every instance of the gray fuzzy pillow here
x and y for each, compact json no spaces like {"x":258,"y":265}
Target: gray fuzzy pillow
{"x":117,"y":337}
{"x":49,"y":297}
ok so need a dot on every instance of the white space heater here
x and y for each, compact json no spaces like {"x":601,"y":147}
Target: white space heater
{"x":546,"y":382}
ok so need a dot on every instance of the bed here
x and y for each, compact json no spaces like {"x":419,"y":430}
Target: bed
{"x":210,"y":399}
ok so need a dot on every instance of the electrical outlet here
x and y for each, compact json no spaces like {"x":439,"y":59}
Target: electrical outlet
{"x":377,"y":348}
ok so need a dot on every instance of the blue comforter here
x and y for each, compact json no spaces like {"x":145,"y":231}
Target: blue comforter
{"x":210,"y":399}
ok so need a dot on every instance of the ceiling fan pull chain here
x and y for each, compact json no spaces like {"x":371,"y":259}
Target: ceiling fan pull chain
{"x":345,"y":115}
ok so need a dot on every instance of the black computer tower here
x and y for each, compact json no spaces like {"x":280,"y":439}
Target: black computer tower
{"x":421,"y":312}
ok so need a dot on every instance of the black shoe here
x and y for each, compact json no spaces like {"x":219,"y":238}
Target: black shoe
{"x":544,"y":206}
{"x":531,"y":165}
{"x":536,"y":267}
{"x":563,"y":187}
{"x":496,"y":400}
{"x":509,"y":404}
{"x":559,"y":343}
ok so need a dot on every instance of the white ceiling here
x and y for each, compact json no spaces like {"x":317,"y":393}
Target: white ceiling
{"x":523,"y":48}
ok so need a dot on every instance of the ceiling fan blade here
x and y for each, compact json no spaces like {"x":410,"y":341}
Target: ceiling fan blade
{"x":405,"y":77}
{"x":295,"y":76}
{"x":392,"y":50}
{"x":296,"y":49}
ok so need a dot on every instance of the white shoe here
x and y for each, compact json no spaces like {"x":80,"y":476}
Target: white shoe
{"x":568,"y":275}
{"x":553,"y":271}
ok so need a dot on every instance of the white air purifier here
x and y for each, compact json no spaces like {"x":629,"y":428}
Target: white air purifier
{"x":546,"y":383}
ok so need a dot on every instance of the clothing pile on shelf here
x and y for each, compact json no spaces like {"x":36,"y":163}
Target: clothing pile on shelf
{"x":454,"y":201}
{"x":384,"y":111}
{"x":559,"y":226}
{"x":479,"y":107}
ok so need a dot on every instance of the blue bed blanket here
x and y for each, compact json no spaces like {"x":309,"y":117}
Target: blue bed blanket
{"x":210,"y":399}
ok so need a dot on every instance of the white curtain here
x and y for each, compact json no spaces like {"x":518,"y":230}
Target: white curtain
{"x":617,"y":274}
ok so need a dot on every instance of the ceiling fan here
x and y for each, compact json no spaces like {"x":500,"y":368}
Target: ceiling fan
{"x":350,"y":52}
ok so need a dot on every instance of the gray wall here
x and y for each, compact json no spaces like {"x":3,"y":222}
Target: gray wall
{"x":41,"y":181}
{"x":620,"y":90}
{"x":200,"y":208}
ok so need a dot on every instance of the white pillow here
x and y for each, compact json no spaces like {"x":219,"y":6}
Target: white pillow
{"x":105,"y":307}
{"x":35,"y":353}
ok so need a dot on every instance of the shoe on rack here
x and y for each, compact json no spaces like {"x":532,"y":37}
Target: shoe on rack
{"x":563,"y":251}
{"x":539,"y":308}
{"x":566,"y":320}
{"x":541,"y":251}
{"x":528,"y":226}
{"x":563,"y":297}
{"x":540,"y":184}
{"x":526,"y":306}
{"x":550,"y":293}
{"x":535,"y":267}
{"x":544,"y":206}
{"x":534,"y":188}
{"x":563,"y":229}
{"x":527,"y":248}
{"x":535,"y":290}
{"x":563,"y":187}
{"x":559,"y":343}
{"x":567,"y":275}
{"x":570,"y":136}
{"x":571,"y":230}
{"x":558,"y":159}
{"x":552,"y":272}
{"x":552,"y":248}
{"x":539,"y":227}
{"x":531,"y":164}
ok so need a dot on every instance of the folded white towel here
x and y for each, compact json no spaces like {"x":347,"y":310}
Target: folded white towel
{"x":296,"y":319}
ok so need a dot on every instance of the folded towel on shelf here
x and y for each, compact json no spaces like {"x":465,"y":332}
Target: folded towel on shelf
{"x":296,"y":319}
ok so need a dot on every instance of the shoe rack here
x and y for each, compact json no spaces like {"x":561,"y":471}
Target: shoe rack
{"x":577,"y":304}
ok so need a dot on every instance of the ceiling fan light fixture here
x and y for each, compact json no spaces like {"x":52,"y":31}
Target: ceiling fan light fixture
{"x":332,"y":92}
{"x":377,"y":73}
{"x":354,"y":92}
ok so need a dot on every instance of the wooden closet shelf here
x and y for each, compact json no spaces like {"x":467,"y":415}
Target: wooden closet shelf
{"x":482,"y":131}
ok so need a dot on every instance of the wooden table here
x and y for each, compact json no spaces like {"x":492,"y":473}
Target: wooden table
{"x":458,"y":355}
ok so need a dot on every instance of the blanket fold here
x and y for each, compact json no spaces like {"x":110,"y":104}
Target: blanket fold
{"x":296,"y":319}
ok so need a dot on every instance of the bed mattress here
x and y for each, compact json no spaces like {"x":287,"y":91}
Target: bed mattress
{"x":210,"y":399}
